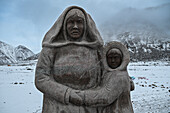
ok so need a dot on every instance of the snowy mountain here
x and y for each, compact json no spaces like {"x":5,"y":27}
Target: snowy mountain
{"x":34,"y":57}
{"x":146,"y":32}
{"x":10,"y":54}
{"x":4,"y":59}
{"x":145,"y":49}
{"x":7,"y":52}
{"x":22,"y":53}
{"x":150,"y":23}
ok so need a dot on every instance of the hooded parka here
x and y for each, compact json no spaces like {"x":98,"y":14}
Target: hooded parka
{"x":66,"y":64}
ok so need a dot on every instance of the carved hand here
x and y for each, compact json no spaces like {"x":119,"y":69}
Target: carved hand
{"x":76,"y":97}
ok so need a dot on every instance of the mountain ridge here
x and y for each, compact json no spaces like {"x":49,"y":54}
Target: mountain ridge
{"x":139,"y":21}
{"x":10,"y":54}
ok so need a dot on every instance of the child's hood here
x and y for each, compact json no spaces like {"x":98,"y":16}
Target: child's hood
{"x":125,"y":54}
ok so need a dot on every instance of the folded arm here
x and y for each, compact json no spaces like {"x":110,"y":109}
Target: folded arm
{"x":113,"y":86}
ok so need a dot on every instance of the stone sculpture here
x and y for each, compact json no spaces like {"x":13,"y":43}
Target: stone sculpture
{"x":75,"y":74}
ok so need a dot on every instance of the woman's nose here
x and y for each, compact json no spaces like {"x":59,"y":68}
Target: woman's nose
{"x":75,"y":25}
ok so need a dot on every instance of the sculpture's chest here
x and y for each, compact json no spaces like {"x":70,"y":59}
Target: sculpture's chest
{"x":77,"y":67}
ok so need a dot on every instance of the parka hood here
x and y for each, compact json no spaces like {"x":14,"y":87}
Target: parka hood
{"x":125,"y":56}
{"x":57,"y":37}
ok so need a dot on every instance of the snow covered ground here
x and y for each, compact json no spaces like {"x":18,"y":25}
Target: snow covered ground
{"x":152,"y":88}
{"x":152,"y":92}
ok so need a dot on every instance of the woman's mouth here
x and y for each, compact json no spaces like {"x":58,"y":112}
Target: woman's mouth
{"x":75,"y":32}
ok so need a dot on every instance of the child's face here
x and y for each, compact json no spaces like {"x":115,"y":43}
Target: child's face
{"x":114,"y":58}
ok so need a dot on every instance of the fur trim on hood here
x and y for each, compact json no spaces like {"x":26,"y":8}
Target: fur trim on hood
{"x":125,"y":56}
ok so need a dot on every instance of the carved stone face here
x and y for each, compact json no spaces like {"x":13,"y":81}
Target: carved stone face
{"x":75,"y":27}
{"x":114,"y":58}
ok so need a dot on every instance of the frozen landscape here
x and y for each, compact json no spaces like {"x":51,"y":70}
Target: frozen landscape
{"x":151,"y":94}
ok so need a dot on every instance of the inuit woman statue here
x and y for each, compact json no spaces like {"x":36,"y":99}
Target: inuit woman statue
{"x":70,"y":59}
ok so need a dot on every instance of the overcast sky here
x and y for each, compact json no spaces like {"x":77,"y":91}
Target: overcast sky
{"x":25,"y":22}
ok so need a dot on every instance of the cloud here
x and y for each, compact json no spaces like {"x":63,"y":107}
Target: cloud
{"x":25,"y":22}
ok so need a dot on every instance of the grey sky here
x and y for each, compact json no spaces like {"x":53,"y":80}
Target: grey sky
{"x":25,"y":22}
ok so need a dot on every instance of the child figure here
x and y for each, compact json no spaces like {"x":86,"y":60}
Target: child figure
{"x":113,"y":93}
{"x":114,"y":60}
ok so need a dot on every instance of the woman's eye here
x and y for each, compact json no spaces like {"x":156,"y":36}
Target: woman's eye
{"x":70,"y":21}
{"x":79,"y":21}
